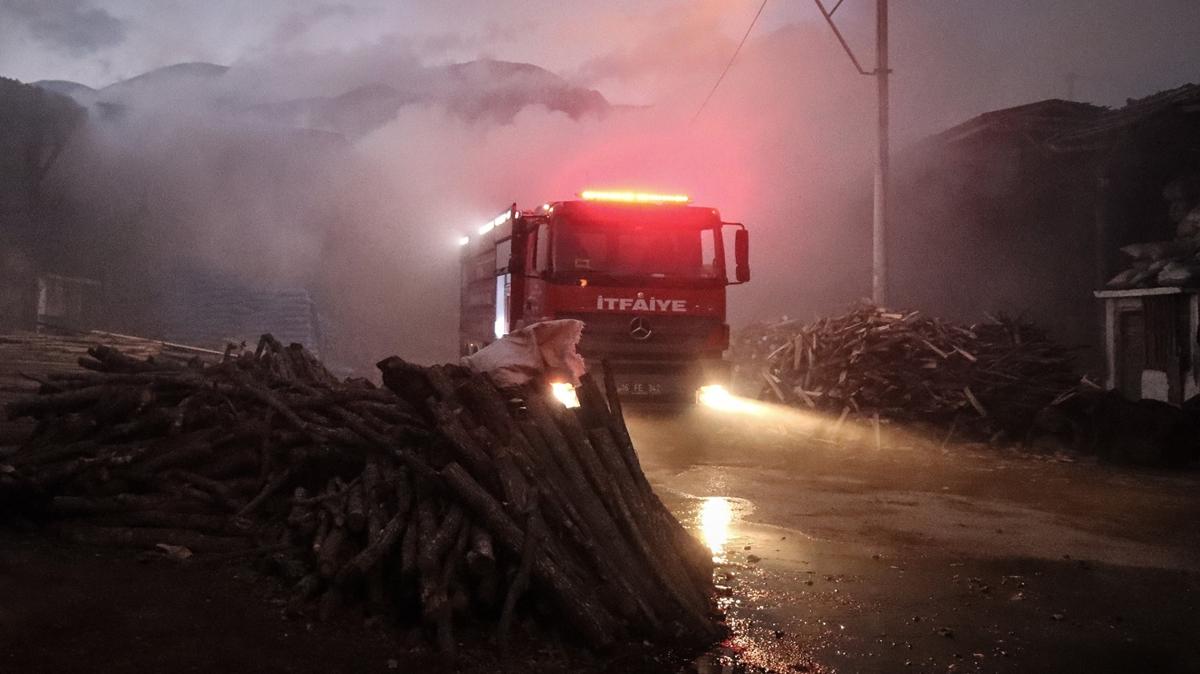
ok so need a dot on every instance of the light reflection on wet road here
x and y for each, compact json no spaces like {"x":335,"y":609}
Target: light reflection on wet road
{"x":756,"y":601}
{"x":912,"y":557}
{"x":716,"y":514}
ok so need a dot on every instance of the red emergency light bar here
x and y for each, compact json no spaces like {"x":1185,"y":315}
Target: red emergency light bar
{"x":634,"y":197}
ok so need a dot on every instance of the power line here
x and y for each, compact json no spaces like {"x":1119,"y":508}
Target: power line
{"x":730,"y":64}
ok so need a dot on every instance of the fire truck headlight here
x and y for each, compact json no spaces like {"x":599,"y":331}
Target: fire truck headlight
{"x":719,"y":398}
{"x":714,"y":395}
{"x":565,"y":393}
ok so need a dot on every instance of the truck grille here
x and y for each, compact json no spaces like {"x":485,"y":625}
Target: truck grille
{"x":648,"y":336}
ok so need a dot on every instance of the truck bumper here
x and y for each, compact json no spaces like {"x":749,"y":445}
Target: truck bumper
{"x":665,"y":383}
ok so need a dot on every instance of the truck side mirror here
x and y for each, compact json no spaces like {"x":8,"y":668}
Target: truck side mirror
{"x":741,"y":254}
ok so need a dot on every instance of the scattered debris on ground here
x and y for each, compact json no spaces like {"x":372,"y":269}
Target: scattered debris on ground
{"x":439,"y":500}
{"x":986,"y":380}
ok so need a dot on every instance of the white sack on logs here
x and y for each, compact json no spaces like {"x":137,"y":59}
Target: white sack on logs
{"x":546,"y":347}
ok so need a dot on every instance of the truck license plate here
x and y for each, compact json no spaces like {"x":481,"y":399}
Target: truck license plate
{"x":637,"y":388}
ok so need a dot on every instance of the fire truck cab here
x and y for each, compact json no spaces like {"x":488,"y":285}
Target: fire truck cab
{"x":646,"y":273}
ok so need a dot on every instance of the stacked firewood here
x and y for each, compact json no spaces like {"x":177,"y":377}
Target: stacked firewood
{"x":987,"y":380}
{"x":439,"y":500}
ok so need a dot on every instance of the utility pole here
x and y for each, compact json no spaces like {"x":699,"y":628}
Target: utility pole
{"x":879,"y":228}
{"x":881,"y":72}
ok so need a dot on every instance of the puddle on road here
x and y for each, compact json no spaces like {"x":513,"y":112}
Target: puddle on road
{"x":714,"y":520}
{"x":716,"y":514}
{"x":747,"y":596}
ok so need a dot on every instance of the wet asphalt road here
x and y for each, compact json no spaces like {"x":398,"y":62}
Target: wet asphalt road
{"x":850,"y":554}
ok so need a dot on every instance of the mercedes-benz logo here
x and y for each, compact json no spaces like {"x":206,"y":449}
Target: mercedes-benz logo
{"x":639,"y":329}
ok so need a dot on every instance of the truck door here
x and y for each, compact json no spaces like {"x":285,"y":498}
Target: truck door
{"x":530,"y":262}
{"x":503,"y":287}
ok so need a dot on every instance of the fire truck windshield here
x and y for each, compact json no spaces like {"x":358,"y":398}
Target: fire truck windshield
{"x":638,"y":252}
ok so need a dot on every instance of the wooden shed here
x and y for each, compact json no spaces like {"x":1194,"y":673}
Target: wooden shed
{"x":1150,"y":342}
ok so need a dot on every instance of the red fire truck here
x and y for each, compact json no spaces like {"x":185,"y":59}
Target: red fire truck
{"x":646,"y":273}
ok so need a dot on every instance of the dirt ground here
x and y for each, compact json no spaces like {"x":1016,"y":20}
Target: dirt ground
{"x":72,"y":609}
{"x":901,"y":555}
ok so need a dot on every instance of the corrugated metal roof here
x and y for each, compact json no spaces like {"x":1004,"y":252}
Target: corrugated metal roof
{"x":1038,"y":121}
{"x":1183,"y":99}
{"x":211,"y":312}
{"x":1067,"y":126}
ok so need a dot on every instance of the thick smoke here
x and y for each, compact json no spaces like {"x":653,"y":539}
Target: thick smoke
{"x":74,"y":27}
{"x":299,"y":22}
{"x":405,"y":152}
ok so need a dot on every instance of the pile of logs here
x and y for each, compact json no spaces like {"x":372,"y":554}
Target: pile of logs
{"x":439,"y":500}
{"x":986,"y":380}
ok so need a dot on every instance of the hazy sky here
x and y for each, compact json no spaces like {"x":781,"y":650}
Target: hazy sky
{"x":1014,"y":49}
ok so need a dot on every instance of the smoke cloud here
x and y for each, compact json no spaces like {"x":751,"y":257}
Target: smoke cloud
{"x":299,"y":23}
{"x":71,"y":26}
{"x":404,"y":150}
